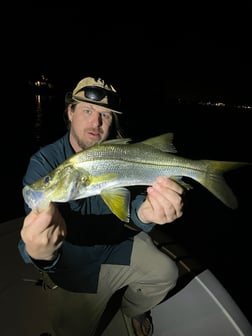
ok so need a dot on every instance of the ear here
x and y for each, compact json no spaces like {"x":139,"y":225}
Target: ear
{"x":70,"y":111}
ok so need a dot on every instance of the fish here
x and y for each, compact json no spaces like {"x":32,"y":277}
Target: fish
{"x":109,"y":168}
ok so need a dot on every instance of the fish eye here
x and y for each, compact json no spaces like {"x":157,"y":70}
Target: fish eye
{"x":85,"y":180}
{"x":47,"y":179}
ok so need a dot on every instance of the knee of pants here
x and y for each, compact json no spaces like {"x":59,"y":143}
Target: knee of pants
{"x":167,"y":270}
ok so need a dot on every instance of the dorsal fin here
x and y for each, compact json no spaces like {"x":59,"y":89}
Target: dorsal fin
{"x":163,"y":142}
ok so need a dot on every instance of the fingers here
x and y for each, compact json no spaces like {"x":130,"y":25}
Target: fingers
{"x":165,"y":197}
{"x":168,"y":183}
{"x":44,"y":232}
{"x":42,"y":220}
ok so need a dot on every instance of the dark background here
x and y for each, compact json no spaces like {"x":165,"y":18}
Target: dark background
{"x":167,"y":69}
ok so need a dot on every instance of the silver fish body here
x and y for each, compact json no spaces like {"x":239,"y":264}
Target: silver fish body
{"x":108,"y":168}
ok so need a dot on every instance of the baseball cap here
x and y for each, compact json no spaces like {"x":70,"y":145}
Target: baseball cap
{"x":97,"y":91}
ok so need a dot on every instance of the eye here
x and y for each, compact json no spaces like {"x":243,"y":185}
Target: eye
{"x":85,"y":181}
{"x":87,"y":111}
{"x":106,"y":115}
{"x":47,"y":179}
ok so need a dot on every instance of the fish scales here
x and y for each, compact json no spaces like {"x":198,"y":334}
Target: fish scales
{"x":107,"y":169}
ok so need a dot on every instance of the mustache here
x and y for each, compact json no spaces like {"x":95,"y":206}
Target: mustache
{"x":95,"y":130}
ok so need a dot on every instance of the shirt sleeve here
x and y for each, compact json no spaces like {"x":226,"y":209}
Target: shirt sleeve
{"x":42,"y":265}
{"x":134,"y":208}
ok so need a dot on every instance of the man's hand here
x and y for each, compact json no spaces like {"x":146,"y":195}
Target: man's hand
{"x":43,"y":233}
{"x":164,"y":202}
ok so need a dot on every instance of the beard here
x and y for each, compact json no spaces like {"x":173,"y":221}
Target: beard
{"x":87,"y":140}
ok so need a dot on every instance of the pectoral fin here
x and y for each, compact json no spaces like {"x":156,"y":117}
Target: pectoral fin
{"x":117,"y":199}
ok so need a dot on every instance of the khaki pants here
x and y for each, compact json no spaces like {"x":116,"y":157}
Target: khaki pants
{"x":149,"y":277}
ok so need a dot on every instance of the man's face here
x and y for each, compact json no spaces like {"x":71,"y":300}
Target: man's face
{"x":89,"y":124}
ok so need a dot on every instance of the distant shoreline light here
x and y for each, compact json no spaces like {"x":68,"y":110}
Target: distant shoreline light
{"x":220,"y":104}
{"x":214,"y":104}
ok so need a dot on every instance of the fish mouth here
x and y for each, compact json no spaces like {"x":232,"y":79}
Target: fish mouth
{"x":33,"y":198}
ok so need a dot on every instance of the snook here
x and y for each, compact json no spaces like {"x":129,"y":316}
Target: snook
{"x":108,"y":168}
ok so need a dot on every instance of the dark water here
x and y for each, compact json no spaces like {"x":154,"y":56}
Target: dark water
{"x":26,"y":127}
{"x":213,"y":233}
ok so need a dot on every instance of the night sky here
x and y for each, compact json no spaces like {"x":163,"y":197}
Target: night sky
{"x":194,"y":52}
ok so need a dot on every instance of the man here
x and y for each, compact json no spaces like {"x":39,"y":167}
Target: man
{"x":85,"y":253}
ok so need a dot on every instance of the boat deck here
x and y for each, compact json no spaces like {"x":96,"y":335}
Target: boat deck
{"x":23,"y":306}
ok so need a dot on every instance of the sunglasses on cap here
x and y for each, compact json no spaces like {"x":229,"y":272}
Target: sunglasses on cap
{"x":97,"y":94}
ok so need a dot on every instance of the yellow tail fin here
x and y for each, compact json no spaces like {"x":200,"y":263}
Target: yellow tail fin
{"x":214,"y":181}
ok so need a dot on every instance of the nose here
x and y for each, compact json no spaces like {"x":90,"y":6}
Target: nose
{"x":97,"y":119}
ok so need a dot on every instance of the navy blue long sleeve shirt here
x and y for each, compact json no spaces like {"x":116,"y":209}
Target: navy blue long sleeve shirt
{"x":95,"y":236}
